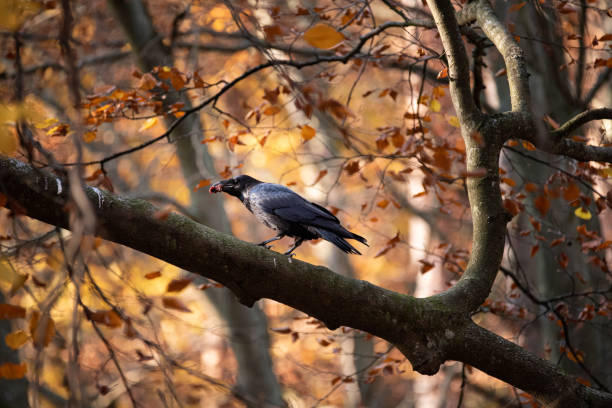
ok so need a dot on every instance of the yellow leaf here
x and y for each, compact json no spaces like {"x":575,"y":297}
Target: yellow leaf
{"x":46,"y":123}
{"x":308,"y":132}
{"x":583,"y":213}
{"x":16,"y":339}
{"x":453,"y":121}
{"x":148,"y":124}
{"x":323,"y":36}
{"x":89,"y":137}
{"x":434,"y":105}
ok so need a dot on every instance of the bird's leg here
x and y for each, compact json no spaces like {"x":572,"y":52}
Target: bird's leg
{"x":276,"y":238}
{"x":296,"y":244}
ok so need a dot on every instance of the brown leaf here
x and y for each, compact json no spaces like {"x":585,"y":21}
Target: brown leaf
{"x":571,"y":192}
{"x":153,"y":275}
{"x":11,"y":311}
{"x":177,"y":285}
{"x":322,"y":174}
{"x":352,"y":167}
{"x":176,"y":304}
{"x":108,"y":318}
{"x":383,"y":203}
{"x":517,"y":6}
{"x":281,"y":330}
{"x":426,"y":266}
{"x":42,"y":329}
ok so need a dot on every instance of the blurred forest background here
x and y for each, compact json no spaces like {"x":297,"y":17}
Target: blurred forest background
{"x":370,"y":134}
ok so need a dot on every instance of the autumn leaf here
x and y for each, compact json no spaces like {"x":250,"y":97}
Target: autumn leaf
{"x":321,"y":174}
{"x":323,"y":36}
{"x":583,"y":213}
{"x":177,"y":285}
{"x":108,"y":318}
{"x":149,"y":123}
{"x":382,"y":204}
{"x":12,"y":371}
{"x":442,"y":74}
{"x":16,"y":339}
{"x":434,"y":105}
{"x":352,"y":167}
{"x":542,"y":204}
{"x":517,"y":6}
{"x":42,"y":329}
{"x":308,"y":132}
{"x":203,"y":183}
{"x":176,"y":304}
{"x":426,"y":266}
{"x":271,"y":110}
{"x":534,"y":250}
{"x":281,"y":330}
{"x":11,"y":311}
{"x":454,"y":121}
{"x":528,"y":145}
{"x":571,"y":192}
{"x":153,"y":275}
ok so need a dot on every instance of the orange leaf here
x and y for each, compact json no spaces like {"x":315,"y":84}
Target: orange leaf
{"x":534,"y":250}
{"x":323,"y":36}
{"x":557,"y":241}
{"x":542,"y":204}
{"x":571,"y":192}
{"x":308,"y":132}
{"x":271,"y":110}
{"x":511,"y":206}
{"x":508,"y":181}
{"x":178,"y":285}
{"x":203,"y":183}
{"x":531,"y":187}
{"x":442,"y":74}
{"x":528,"y":145}
{"x":382,"y":203}
{"x":13,"y":371}
{"x":517,"y":7}
{"x":176,"y":304}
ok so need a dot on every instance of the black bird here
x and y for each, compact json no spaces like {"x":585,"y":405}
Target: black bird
{"x":288,"y":213}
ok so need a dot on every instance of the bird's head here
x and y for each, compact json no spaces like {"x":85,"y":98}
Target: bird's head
{"x":234,"y":186}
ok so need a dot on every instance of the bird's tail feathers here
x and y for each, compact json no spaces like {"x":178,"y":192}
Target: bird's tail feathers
{"x":339,"y":241}
{"x":360,"y":239}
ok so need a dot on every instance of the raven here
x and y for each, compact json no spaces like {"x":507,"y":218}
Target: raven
{"x":288,"y":213}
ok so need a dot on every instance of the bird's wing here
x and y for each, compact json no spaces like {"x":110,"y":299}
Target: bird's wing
{"x":288,"y":205}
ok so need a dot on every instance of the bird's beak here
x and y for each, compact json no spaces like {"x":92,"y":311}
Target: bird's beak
{"x":216,"y":188}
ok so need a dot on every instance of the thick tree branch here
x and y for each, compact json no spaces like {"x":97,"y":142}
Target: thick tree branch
{"x":580,"y":119}
{"x":458,"y":65}
{"x":495,"y":30}
{"x":425,"y":330}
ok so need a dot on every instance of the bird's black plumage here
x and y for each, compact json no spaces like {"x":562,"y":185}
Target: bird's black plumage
{"x":288,"y":213}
